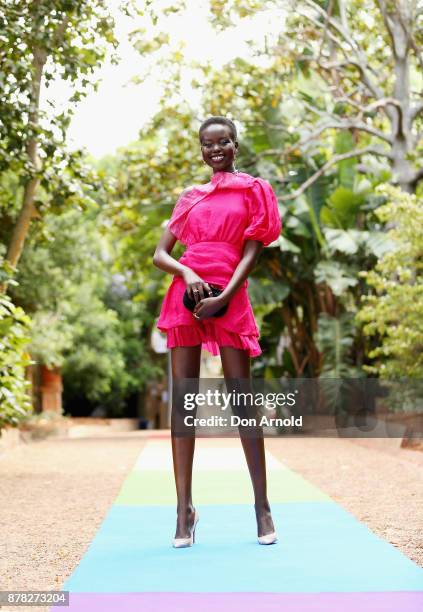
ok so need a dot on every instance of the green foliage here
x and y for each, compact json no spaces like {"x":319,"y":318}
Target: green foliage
{"x":61,"y":39}
{"x":393,"y":312}
{"x":226,"y":14}
{"x":266,"y":295}
{"x":336,"y":276}
{"x":108,"y":361}
{"x":335,"y":339}
{"x":15,"y":326}
{"x":51,"y":337}
{"x":96,"y":360}
{"x":341,"y":207}
{"x":42,"y":42}
{"x":84,"y":318}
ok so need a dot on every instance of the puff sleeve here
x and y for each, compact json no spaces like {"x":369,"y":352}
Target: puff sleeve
{"x":180,"y":210}
{"x":264,"y":221}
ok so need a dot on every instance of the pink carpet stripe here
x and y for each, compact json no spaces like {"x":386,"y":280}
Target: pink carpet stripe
{"x":246,"y":602}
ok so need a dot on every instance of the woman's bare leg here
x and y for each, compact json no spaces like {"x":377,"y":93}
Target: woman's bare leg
{"x":185,"y":365}
{"x":236,"y":365}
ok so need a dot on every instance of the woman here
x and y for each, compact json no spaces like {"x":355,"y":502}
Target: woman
{"x":224,"y":225}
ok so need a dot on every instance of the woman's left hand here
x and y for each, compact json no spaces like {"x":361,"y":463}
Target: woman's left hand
{"x":208,"y":307}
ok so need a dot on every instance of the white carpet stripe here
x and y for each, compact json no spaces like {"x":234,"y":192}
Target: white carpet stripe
{"x":157,"y":455}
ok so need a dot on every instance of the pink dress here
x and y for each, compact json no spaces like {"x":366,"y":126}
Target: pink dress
{"x":213,"y":221}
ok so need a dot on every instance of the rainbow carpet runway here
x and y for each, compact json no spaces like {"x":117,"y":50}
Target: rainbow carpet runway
{"x":325,"y":559}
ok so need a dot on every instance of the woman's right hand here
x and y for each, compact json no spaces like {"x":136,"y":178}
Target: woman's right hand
{"x":197,"y":289}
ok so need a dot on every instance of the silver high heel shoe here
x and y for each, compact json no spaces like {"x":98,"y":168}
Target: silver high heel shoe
{"x":269,"y":538}
{"x":185,"y":542}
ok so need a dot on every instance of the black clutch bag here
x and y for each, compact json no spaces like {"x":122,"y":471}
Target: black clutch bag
{"x":190,"y":304}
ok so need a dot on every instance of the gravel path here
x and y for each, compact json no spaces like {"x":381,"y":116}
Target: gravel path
{"x":382,"y":489}
{"x":56,"y":493}
{"x":54,"y":497}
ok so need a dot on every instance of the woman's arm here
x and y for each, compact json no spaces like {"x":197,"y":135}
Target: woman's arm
{"x":162,"y":255}
{"x":162,"y":259}
{"x":252,"y":250}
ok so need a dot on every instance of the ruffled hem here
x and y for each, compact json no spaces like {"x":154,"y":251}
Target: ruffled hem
{"x":211,"y":336}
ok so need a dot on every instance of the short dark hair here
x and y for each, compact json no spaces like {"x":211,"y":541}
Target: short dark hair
{"x":223,"y":121}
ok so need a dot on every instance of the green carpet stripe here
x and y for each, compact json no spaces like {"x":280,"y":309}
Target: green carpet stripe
{"x":229,"y":487}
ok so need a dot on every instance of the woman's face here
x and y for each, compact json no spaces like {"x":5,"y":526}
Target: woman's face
{"x":218,"y":148}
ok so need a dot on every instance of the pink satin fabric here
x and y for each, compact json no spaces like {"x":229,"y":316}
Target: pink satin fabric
{"x":213,"y":221}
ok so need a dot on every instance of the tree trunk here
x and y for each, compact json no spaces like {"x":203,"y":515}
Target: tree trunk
{"x":397,"y":20}
{"x":28,"y":210}
{"x":51,"y":389}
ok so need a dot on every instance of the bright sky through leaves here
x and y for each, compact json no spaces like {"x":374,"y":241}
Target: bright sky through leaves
{"x":112,"y":116}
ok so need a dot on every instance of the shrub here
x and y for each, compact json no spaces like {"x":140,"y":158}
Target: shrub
{"x":393,"y":313}
{"x":15,"y":404}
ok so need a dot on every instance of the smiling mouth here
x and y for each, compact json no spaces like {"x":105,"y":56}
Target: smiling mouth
{"x":217,"y":158}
